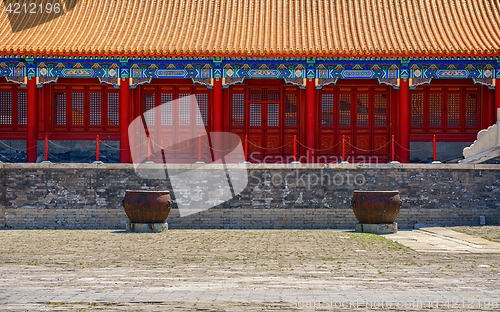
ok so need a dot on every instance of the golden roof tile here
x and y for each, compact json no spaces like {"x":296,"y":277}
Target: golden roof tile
{"x":295,"y":28}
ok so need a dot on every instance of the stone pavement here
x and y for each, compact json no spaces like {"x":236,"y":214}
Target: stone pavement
{"x":438,"y":239}
{"x":415,"y":288}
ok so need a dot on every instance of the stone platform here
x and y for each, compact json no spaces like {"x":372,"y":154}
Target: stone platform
{"x":146,"y":227}
{"x":384,"y":228}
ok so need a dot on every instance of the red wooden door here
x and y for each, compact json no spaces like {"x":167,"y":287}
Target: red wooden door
{"x":175,"y":119}
{"x":360,"y":115}
{"x":265,"y":123}
{"x":269,"y":116}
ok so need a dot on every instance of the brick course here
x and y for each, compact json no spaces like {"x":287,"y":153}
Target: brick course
{"x":88,"y":196}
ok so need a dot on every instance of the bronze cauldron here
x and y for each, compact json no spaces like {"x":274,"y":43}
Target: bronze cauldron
{"x":376,"y":207}
{"x":147,"y":206}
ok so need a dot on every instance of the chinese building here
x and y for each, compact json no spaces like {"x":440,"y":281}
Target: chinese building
{"x":339,"y":76}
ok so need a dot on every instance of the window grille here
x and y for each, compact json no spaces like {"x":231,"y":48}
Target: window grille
{"x":184,"y":110}
{"x":202,"y":114}
{"x":95,"y":108}
{"x":453,"y":110}
{"x":435,"y":110}
{"x":5,"y":108}
{"x":113,"y":108}
{"x":327,"y":110}
{"x":291,"y":110}
{"x":255,"y":115}
{"x":273,"y":115}
{"x":471,"y":110}
{"x":362,"y":110}
{"x":256,"y":94}
{"x":345,"y":110}
{"x":77,"y":105}
{"x":380,"y":115}
{"x":238,"y":110}
{"x":22,"y":108}
{"x":417,"y":109}
{"x":60,"y":108}
{"x":166,"y":109}
{"x":149,"y":104}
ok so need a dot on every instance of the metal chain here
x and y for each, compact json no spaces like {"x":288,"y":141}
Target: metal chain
{"x":78,"y":161}
{"x":414,"y":150}
{"x":318,"y":150}
{"x":173,"y":150}
{"x":16,"y":149}
{"x":71,"y":149}
{"x":269,"y":148}
{"x":372,"y":150}
{"x":7,"y":158}
{"x":217,"y":150}
{"x":112,"y":147}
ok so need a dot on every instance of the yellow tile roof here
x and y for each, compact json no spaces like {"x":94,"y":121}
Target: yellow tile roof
{"x":371,"y":28}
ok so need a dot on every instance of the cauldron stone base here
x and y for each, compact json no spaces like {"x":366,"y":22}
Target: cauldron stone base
{"x":381,"y":228}
{"x":146,"y":227}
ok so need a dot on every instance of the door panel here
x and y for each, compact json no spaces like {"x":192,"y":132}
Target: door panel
{"x":360,"y":115}
{"x":269,"y":116}
{"x":174,"y":122}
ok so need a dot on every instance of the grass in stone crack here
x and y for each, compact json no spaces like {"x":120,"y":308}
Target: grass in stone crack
{"x":304,"y":254}
{"x":491,"y":233}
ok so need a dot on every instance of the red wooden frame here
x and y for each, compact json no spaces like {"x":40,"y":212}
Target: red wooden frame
{"x":15,"y":91}
{"x":330,"y":136}
{"x":264,"y":135}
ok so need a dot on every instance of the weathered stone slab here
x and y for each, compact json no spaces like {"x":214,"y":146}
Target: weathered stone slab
{"x":380,"y":229}
{"x":146,"y":227}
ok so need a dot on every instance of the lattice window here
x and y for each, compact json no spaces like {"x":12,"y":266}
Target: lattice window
{"x":238,"y":110}
{"x":78,"y":108}
{"x":453,"y":110}
{"x":345,"y":110}
{"x":435,"y":109}
{"x":22,"y":108}
{"x":273,"y":115}
{"x":255,"y":115}
{"x":257,"y":94}
{"x":417,"y":109}
{"x":149,"y":104}
{"x":166,"y":109}
{"x":60,"y":108}
{"x":113,"y":108}
{"x":95,"y":108}
{"x":264,"y":94}
{"x":202,"y":113}
{"x":472,"y":110}
{"x":327,"y":110}
{"x":272,"y":94}
{"x":380,"y":110}
{"x":184,"y":110}
{"x":5,"y":108}
{"x":291,"y":110}
{"x":362,"y":110}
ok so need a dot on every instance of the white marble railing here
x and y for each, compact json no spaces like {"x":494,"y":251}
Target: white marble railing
{"x":486,"y":146}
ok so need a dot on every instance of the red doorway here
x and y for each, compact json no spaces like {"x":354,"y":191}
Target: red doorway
{"x":268,"y":113}
{"x":361,"y":116}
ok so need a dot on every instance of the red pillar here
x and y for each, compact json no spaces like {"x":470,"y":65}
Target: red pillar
{"x":310,"y":120}
{"x":497,"y":95}
{"x":218,"y":115}
{"x":31,"y":131}
{"x":404,"y":120}
{"x":124,"y":121}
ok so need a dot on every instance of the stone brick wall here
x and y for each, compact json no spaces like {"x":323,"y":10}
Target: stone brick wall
{"x":88,"y":196}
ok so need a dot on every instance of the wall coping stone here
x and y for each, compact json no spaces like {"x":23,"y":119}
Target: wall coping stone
{"x":250,"y":166}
